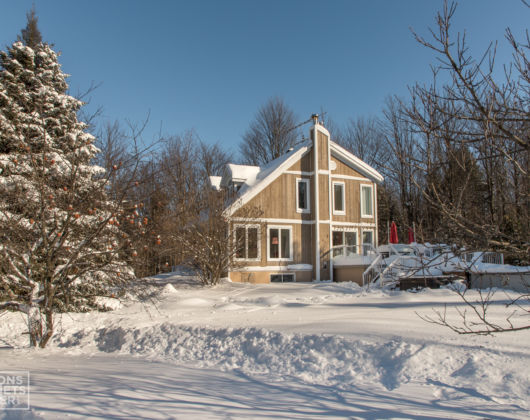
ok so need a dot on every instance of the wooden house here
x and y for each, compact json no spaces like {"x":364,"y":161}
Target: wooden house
{"x":315,"y":197}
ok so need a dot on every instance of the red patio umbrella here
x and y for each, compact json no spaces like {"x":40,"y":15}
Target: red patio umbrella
{"x":393,"y":234}
{"x":411,"y":235}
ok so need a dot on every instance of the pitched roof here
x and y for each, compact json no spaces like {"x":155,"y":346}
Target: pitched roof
{"x":354,"y":162}
{"x":239,"y":173}
{"x":266,"y":175}
{"x":259,"y":178}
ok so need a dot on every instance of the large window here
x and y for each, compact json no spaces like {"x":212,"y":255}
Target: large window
{"x":339,"y":206}
{"x":347,"y":241}
{"x":247,"y":240}
{"x":302,"y":195}
{"x":280,"y":243}
{"x":368,"y":240}
{"x":367,"y":208}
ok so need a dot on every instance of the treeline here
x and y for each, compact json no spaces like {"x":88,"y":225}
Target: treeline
{"x":171,"y":191}
{"x":455,"y":154}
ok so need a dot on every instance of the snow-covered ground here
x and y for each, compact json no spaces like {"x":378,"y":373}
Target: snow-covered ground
{"x":319,"y":350}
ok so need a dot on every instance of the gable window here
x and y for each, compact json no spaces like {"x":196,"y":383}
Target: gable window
{"x":339,"y":206}
{"x":280,"y":246}
{"x":367,"y":208}
{"x":302,"y":195}
{"x":247,"y":240}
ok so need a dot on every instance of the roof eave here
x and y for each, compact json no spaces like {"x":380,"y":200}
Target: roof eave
{"x":264,"y":183}
{"x":356,"y":163}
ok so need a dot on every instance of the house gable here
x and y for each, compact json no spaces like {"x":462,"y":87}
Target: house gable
{"x":343,"y":169}
{"x":354,"y":162}
{"x":265,"y":177}
{"x":278,"y":199}
{"x":302,"y":212}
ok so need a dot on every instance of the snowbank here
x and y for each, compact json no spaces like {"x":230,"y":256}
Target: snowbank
{"x":322,"y":336}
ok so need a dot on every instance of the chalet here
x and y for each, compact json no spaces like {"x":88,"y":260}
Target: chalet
{"x":316,"y":201}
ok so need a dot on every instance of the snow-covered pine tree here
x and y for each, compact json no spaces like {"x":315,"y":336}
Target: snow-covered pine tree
{"x":61,"y":245}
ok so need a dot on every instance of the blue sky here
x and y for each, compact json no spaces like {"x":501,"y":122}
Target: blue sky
{"x":209,"y":65}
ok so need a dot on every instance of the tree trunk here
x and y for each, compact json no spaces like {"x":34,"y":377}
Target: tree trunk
{"x":34,"y":325}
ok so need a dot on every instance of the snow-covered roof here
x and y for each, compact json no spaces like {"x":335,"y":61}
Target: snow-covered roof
{"x":215,"y":182}
{"x":266,"y":175}
{"x":238,"y":174}
{"x":255,"y":179}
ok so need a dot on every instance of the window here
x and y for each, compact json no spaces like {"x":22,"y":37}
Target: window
{"x":346,"y":240}
{"x":367,"y":209}
{"x":337,"y":239}
{"x":247,"y":240}
{"x":280,"y":245}
{"x":282,"y":278}
{"x":302,"y":195}
{"x":368,"y":240}
{"x":338,"y":198}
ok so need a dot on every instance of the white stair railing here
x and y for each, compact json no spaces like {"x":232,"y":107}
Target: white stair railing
{"x":373,"y":272}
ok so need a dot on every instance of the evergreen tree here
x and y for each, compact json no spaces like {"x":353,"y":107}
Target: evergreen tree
{"x":31,"y":35}
{"x":60,"y":242}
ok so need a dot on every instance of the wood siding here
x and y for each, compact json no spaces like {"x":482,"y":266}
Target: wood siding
{"x":323,"y":147}
{"x":343,"y":169}
{"x":278,"y":203}
{"x":278,"y":200}
{"x":323,"y":197}
{"x":264,"y":276}
{"x":305,"y":164}
{"x":301,"y":234}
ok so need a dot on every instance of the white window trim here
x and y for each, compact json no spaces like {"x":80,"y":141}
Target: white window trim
{"x":373,"y":236}
{"x":308,"y":209}
{"x":290,"y":228}
{"x":344,"y":231}
{"x":339,"y":212}
{"x":371,"y":187}
{"x":283,"y":274}
{"x":258,"y":227}
{"x":356,"y":232}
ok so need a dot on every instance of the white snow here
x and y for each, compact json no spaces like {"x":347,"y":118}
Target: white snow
{"x":317,"y":350}
{"x":215,"y":182}
{"x":240,"y":173}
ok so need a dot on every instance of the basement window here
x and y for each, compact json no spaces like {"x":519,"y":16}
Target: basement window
{"x":282,"y":278}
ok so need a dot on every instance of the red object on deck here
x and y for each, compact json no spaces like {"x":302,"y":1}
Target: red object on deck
{"x":393,"y":234}
{"x":411,"y":235}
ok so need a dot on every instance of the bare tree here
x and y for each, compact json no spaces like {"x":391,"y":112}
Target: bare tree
{"x":474,"y":144}
{"x":402,"y":178}
{"x":270,"y":135}
{"x":475,"y":317}
{"x":478,"y":127}
{"x":365,"y":139}
{"x":209,"y":240}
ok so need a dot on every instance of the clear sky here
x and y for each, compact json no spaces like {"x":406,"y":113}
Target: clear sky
{"x":209,"y":65}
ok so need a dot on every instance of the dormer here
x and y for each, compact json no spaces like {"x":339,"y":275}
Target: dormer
{"x":234,"y":176}
{"x":215,"y":182}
